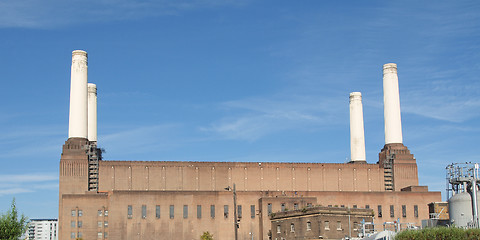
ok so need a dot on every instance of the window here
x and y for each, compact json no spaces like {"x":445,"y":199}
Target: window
{"x":172,"y":210}
{"x":327,"y":225}
{"x":72,"y":235}
{"x":283,"y":207}
{"x":354,"y":206}
{"x":72,"y":224}
{"x":105,"y":235}
{"x":100,"y":235}
{"x":100,"y":213}
{"x":355,"y":226}
{"x":239,"y":211}
{"x":199,"y":211}
{"x":225,"y":211}
{"x":80,"y":213}
{"x":105,"y":213}
{"x":367,"y":206}
{"x":79,"y":224}
{"x":105,"y":224}
{"x":279,"y":229}
{"x":144,"y":211}
{"x":404,"y":211}
{"x":295,"y":206}
{"x":157,"y":211}
{"x":269,"y":208}
{"x":129,"y":211}
{"x":309,"y":205}
{"x":185,"y":211}
{"x":379,"y":211}
{"x":329,"y":205}
{"x":74,"y":213}
{"x":80,"y":235}
{"x":415,"y":211}
{"x":292,"y":227}
{"x":99,"y":224}
{"x":392,"y":211}
{"x":252,"y":211}
{"x":339,"y":225}
{"x":342,"y":205}
{"x":212,"y":211}
{"x":309,"y":226}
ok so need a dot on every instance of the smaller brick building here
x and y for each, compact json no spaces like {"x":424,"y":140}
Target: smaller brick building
{"x":438,"y":210}
{"x":319,"y":223}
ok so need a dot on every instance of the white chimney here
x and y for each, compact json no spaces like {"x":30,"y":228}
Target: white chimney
{"x":357,"y":133}
{"x":391,"y":104}
{"x":92,"y":112}
{"x":77,"y":125}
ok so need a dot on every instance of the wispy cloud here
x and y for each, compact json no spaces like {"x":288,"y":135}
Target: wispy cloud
{"x":23,"y":178}
{"x":13,"y":191}
{"x":449,"y":95}
{"x":24,"y":183}
{"x":254,"y":118}
{"x":320,"y":156}
{"x":31,"y":131}
{"x":30,"y":140}
{"x":443,"y":100}
{"x":140,"y":140}
{"x":54,"y":13}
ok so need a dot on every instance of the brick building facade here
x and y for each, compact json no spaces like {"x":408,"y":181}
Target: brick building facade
{"x":319,"y":223}
{"x":119,"y":200}
{"x":181,"y":200}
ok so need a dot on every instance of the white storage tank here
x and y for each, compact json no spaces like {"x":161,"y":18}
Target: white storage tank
{"x":460,"y":209}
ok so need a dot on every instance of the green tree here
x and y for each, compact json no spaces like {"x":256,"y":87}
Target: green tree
{"x":206,"y":236}
{"x":11,"y":226}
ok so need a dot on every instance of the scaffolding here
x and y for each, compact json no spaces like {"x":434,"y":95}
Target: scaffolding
{"x":388,"y":172}
{"x":94,"y":156}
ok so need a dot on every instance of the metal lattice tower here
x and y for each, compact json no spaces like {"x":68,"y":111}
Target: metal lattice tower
{"x":464,"y":177}
{"x":459,"y":176}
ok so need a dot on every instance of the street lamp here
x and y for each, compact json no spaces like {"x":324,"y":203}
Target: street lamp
{"x":235,"y":220}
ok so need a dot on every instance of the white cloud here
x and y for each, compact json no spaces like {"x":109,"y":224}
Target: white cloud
{"x":54,"y":13}
{"x":443,"y":100}
{"x":245,"y":128}
{"x":12,"y":184}
{"x":30,"y":140}
{"x":323,"y":156}
{"x":136,"y":140}
{"x":28,"y":178}
{"x":47,"y":186}
{"x":32,"y":149}
{"x":254,"y":118}
{"x":13,"y":191}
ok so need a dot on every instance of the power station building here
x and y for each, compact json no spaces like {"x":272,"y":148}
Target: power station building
{"x":101,"y":199}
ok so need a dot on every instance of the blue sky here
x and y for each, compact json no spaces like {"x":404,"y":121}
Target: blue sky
{"x":221,"y":80}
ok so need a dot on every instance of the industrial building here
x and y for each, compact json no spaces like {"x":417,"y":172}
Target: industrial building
{"x":100,"y":199}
